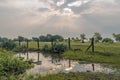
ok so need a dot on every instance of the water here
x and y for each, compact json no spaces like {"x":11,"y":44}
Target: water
{"x":55,"y":64}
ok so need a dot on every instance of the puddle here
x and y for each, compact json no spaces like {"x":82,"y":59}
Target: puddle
{"x":54,"y":64}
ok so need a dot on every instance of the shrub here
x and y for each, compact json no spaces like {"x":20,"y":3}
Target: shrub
{"x":11,"y":65}
{"x":59,"y":48}
{"x":9,"y":45}
{"x":107,"y":40}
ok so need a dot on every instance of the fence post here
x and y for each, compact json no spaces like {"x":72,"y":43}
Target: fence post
{"x":27,"y":48}
{"x":38,"y":45}
{"x":92,"y":43}
{"x":69,"y":63}
{"x":91,"y":46}
{"x":69,"y":44}
{"x":19,"y":43}
{"x":52,"y":44}
{"x":93,"y":66}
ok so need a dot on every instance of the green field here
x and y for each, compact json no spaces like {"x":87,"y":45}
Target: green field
{"x":108,"y":53}
{"x":104,"y":53}
{"x":73,"y":76}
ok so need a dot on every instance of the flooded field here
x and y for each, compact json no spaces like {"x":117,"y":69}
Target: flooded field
{"x":49,"y":64}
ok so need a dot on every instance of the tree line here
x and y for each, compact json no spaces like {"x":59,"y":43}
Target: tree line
{"x":49,"y":37}
{"x":11,"y":43}
{"x":42,"y":38}
{"x":98,"y":38}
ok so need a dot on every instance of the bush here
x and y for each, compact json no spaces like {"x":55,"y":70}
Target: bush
{"x":107,"y":40}
{"x":59,"y":48}
{"x":8,"y":45}
{"x":22,"y":48}
{"x":11,"y":65}
{"x":45,"y":48}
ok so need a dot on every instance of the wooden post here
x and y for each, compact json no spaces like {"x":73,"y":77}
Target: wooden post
{"x":69,"y":63}
{"x":93,"y":66}
{"x":69,"y":45}
{"x":52,"y":60}
{"x":19,"y":43}
{"x":92,"y":43}
{"x":38,"y":45}
{"x":52,"y":44}
{"x":27,"y":49}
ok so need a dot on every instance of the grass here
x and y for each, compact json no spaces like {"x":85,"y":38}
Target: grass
{"x":66,"y":76}
{"x":104,"y":52}
{"x":11,"y":66}
{"x":73,"y":76}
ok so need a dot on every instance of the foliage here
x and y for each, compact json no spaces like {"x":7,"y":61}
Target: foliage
{"x":20,"y":38}
{"x":82,"y":36}
{"x":66,"y":76}
{"x":49,"y":38}
{"x":56,"y":48}
{"x":59,"y":48}
{"x":11,"y":65}
{"x":4,"y":39}
{"x":73,"y":76}
{"x":104,"y":53}
{"x":35,"y":38}
{"x":97,"y":36}
{"x":8,"y":45}
{"x":22,"y":48}
{"x":107,"y":40}
{"x":46,"y":48}
{"x":116,"y":36}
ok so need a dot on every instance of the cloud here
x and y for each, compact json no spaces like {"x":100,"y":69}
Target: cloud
{"x":76,"y":4}
{"x":59,"y":3}
{"x":64,"y":17}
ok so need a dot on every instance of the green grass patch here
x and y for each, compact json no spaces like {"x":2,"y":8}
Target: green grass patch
{"x":73,"y":76}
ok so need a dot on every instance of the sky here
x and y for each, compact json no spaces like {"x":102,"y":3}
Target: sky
{"x":68,"y":18}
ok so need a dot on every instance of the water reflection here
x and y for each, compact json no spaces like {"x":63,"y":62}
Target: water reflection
{"x":55,"y":63}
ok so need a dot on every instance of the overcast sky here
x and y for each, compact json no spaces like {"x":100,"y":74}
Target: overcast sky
{"x":64,"y":17}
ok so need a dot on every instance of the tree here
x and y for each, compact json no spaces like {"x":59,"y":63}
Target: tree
{"x":77,"y":39}
{"x":57,"y":38}
{"x":4,"y":39}
{"x":35,"y":38}
{"x":97,"y":36}
{"x":73,"y":39}
{"x":116,"y":36}
{"x":82,"y":36}
{"x":20,"y":38}
{"x":50,"y":37}
{"x":107,"y":40}
{"x":42,"y":38}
